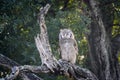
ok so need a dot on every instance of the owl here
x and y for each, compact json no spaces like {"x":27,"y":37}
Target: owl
{"x":68,"y":46}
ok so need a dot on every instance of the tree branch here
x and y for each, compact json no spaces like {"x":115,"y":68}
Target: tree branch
{"x":8,"y":63}
{"x":49,"y":62}
{"x":42,"y":42}
{"x":66,"y":69}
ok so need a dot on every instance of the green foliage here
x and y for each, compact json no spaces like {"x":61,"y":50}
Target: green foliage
{"x":116,"y":24}
{"x":18,"y":28}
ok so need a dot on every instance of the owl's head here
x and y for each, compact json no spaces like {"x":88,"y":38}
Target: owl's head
{"x":66,"y":33}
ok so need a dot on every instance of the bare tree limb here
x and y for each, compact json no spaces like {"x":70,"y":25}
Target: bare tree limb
{"x":42,"y":42}
{"x":8,"y":63}
{"x":49,"y":62}
{"x":66,"y":69}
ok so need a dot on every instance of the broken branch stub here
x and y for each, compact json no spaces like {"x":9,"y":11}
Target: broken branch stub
{"x":42,"y":42}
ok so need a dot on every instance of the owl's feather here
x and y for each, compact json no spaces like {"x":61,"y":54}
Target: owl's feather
{"x":68,"y":45}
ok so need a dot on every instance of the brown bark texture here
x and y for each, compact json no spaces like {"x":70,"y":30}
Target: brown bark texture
{"x":102,"y":55}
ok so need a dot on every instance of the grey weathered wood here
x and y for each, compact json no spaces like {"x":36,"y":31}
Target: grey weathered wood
{"x":49,"y":62}
{"x":8,"y":63}
{"x":42,"y":42}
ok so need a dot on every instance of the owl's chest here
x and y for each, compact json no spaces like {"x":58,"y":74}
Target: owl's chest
{"x":67,"y":43}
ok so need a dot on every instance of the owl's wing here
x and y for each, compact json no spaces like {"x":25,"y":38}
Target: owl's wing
{"x":76,"y":46}
{"x":60,"y":50}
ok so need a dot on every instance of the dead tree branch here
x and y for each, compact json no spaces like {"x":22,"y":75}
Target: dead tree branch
{"x":49,"y":62}
{"x":8,"y":63}
{"x":42,"y":42}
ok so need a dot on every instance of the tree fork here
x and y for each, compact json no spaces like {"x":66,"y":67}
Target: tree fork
{"x":49,"y":63}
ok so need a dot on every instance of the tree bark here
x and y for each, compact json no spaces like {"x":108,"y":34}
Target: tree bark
{"x":102,"y":60}
{"x":8,"y":63}
{"x":49,"y":63}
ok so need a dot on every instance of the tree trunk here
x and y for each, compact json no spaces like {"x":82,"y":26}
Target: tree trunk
{"x":102,"y":60}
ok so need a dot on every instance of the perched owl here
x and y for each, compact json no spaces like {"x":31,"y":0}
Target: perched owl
{"x":68,"y":45}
